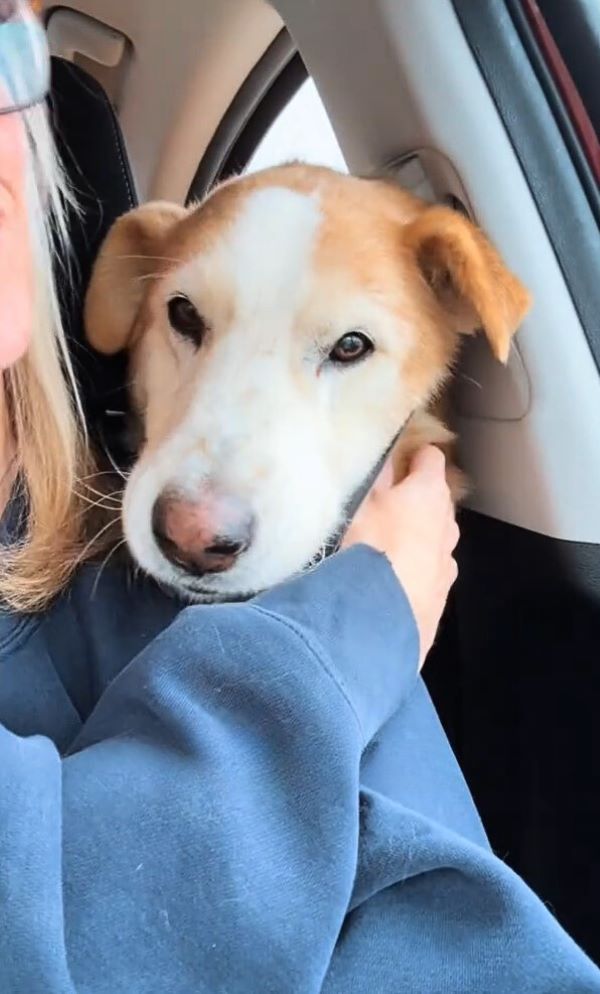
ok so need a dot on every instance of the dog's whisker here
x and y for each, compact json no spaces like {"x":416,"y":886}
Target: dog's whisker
{"x":102,"y":531}
{"x":101,"y":493}
{"x":113,"y":463}
{"x":115,"y":511}
{"x":149,"y":276}
{"x":134,"y":574}
{"x":105,"y":563}
{"x":155,"y":258}
{"x":108,"y":504}
{"x":111,"y":522}
{"x":92,"y":476}
{"x":116,"y":506}
{"x":113,"y":495}
{"x":470,"y":379}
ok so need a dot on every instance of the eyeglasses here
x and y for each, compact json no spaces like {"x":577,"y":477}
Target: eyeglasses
{"x":24,"y":58}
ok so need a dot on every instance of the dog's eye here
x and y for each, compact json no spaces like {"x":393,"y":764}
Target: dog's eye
{"x":350,"y":348}
{"x":186,"y":320}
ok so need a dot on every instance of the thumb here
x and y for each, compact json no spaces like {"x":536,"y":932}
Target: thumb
{"x":429,"y":461}
{"x":385,"y":480}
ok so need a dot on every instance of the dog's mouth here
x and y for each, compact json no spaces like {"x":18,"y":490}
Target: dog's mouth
{"x":204,"y":590}
{"x":202,"y":595}
{"x":187,"y":585}
{"x":200,"y":588}
{"x":184,"y":582}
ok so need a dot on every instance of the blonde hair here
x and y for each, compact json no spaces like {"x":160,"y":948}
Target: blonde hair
{"x":44,"y":410}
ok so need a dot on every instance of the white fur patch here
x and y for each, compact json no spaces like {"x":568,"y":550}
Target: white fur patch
{"x":268,"y":253}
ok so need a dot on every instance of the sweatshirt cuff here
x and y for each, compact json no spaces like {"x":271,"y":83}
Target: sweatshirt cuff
{"x":354,"y":612}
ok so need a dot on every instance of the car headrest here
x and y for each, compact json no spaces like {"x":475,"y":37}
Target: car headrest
{"x":90,"y":143}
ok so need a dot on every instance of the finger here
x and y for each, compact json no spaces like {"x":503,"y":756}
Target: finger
{"x":356,"y":524}
{"x":450,"y":513}
{"x":453,"y":536}
{"x":354,"y":532}
{"x":383,"y":484}
{"x":450,"y":506}
{"x":385,"y":480}
{"x":429,"y":461}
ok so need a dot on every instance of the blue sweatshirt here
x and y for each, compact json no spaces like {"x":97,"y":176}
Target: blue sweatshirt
{"x":247,"y":798}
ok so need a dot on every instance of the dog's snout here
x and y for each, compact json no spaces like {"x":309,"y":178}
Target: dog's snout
{"x":227,"y":547}
{"x":204,"y":536}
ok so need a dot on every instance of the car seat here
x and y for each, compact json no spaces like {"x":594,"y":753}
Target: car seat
{"x":91,"y":145}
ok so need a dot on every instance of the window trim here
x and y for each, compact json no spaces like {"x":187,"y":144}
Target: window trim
{"x":559,"y":177}
{"x":575,"y":28}
{"x":561,"y":93}
{"x":565,"y":84}
{"x":268,"y":89}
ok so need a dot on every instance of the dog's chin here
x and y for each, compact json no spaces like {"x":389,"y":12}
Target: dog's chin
{"x":221,"y":589}
{"x":255,"y":572}
{"x":194,"y":589}
{"x":189,"y":588}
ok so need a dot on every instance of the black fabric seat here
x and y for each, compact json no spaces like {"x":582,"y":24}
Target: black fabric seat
{"x":91,"y":145}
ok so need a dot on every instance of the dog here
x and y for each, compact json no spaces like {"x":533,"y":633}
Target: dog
{"x":282,"y":336}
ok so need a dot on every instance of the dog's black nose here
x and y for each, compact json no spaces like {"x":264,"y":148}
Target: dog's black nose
{"x":204,"y":537}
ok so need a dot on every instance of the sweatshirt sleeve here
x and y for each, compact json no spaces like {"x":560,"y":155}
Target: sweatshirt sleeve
{"x":202,"y":833}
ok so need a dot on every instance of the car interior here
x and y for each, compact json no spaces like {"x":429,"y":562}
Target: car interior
{"x":492,"y":107}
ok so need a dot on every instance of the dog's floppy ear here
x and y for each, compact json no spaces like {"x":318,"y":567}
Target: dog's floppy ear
{"x":468,"y":276}
{"x":132,"y":250}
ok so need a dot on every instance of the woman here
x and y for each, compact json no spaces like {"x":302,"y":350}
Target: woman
{"x":207,"y":799}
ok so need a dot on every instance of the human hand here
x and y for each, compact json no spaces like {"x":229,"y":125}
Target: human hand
{"x":413,"y":523}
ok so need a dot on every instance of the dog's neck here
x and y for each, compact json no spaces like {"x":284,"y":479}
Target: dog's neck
{"x":334,"y":542}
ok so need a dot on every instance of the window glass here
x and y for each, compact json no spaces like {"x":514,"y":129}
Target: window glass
{"x":568,"y":36}
{"x":302,"y":131}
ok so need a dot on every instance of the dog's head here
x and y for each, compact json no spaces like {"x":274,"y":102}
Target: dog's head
{"x":280,"y":334}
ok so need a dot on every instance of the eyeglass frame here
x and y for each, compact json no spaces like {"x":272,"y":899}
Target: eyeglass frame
{"x":31,"y":34}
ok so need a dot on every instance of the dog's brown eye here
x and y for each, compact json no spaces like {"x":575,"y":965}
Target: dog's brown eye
{"x":186,"y":320}
{"x":350,"y":348}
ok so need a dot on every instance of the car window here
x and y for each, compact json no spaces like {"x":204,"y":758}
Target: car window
{"x":301,"y":131}
{"x":568,"y":40}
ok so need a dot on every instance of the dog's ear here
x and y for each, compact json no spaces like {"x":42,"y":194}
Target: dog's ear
{"x":468,"y":277}
{"x":132,"y":250}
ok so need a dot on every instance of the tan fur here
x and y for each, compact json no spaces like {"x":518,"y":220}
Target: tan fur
{"x":468,"y":277}
{"x":135,"y":250}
